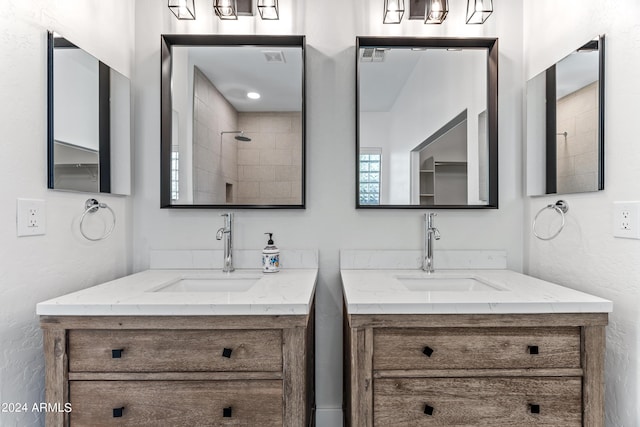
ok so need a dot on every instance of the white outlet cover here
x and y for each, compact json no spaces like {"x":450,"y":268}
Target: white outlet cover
{"x":626,"y":220}
{"x":31,"y":217}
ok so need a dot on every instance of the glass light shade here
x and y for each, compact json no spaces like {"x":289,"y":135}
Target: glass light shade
{"x":436,"y":11}
{"x":226,"y":9}
{"x":268,"y":9}
{"x":478,"y":11}
{"x":393,"y":11}
{"x":183,"y":9}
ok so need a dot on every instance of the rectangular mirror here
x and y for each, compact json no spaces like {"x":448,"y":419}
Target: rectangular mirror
{"x":232,"y":121}
{"x":565,"y":124}
{"x":89,"y":122}
{"x":427,"y":122}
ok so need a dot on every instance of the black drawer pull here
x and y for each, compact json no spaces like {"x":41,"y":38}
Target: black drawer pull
{"x":226,"y":412}
{"x":117,"y":412}
{"x":427,"y":351}
{"x":533,"y":349}
{"x":428,"y":410}
{"x":534,"y":409}
{"x":116,"y":353}
{"x":227,"y":353}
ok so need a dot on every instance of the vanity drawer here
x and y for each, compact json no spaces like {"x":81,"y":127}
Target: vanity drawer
{"x":476,"y":348}
{"x":174,"y":350}
{"x":176,"y":403}
{"x":478,"y":402}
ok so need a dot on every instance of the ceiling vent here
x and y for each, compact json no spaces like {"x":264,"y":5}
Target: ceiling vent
{"x":371,"y":54}
{"x":274,"y":56}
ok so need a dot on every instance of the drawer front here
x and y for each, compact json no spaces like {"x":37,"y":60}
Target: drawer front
{"x":175,"y":350}
{"x":478,"y":402}
{"x":476,"y":348}
{"x":176,"y":403}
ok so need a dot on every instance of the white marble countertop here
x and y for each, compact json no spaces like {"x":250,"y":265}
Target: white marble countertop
{"x":380,"y":292}
{"x":288,"y":292}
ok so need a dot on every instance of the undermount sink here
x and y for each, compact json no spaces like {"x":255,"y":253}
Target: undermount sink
{"x":446,"y":283}
{"x":227,"y":283}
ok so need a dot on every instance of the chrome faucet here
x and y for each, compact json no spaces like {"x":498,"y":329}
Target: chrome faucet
{"x":430,"y":233}
{"x":226,"y":232}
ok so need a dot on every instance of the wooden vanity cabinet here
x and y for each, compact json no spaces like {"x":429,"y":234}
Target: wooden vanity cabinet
{"x":181,"y":370}
{"x":474,"y":370}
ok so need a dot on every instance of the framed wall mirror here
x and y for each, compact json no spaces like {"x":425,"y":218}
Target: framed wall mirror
{"x":427,"y":123}
{"x":89,"y":122}
{"x":233,"y":122}
{"x":565,"y":124}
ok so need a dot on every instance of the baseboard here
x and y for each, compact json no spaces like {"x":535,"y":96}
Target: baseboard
{"x":328,"y":417}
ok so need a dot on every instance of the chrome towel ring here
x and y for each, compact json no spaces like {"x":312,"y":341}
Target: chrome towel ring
{"x":562,"y":208}
{"x":92,"y":206}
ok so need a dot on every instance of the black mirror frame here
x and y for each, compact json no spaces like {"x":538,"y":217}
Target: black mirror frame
{"x":491,"y":44}
{"x":170,"y":40}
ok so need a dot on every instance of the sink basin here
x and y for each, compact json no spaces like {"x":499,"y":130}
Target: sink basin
{"x":441,"y":283}
{"x":230,"y":283}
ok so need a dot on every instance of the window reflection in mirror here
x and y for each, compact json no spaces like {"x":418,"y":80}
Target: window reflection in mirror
{"x":427,"y":111}
{"x":565,"y":121}
{"x":89,"y":122}
{"x":236,"y":121}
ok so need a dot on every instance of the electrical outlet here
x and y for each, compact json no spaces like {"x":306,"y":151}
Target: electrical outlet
{"x":626,"y":220}
{"x":31,"y":217}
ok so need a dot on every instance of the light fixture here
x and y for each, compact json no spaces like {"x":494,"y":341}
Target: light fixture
{"x":253,"y":95}
{"x":226,"y":9}
{"x":183,"y":9}
{"x":393,"y":11}
{"x":436,"y":11}
{"x":478,"y":11}
{"x":268,"y":9}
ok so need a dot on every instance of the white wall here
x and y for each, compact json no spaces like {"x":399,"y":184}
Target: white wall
{"x":76,"y":98}
{"x":585,"y":256}
{"x":33,"y":269}
{"x":330,"y":221}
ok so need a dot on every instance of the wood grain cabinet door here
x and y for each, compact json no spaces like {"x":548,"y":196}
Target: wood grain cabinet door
{"x":495,"y":402}
{"x":175,"y":350}
{"x":476,"y":348}
{"x":176,"y":403}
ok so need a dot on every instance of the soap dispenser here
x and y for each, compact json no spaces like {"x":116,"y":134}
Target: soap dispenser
{"x":270,"y":257}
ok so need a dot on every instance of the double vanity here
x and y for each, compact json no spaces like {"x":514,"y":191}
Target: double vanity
{"x":190,"y":346}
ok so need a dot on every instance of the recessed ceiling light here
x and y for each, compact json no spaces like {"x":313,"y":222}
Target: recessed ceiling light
{"x":253,"y":95}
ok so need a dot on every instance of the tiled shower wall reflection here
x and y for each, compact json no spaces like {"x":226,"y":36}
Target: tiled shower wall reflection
{"x":214,"y":155}
{"x":577,"y":115}
{"x":270,"y":165}
{"x":265,"y":170}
